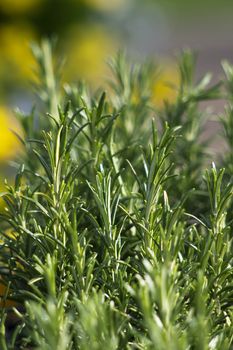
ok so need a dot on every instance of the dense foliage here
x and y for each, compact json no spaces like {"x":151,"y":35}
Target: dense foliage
{"x":114,"y":235}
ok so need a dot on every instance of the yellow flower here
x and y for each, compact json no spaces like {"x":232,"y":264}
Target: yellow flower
{"x":16,"y":58}
{"x":10,"y":144}
{"x":165,"y":86}
{"x":87,"y":51}
{"x":19,"y":6}
{"x":10,"y":234}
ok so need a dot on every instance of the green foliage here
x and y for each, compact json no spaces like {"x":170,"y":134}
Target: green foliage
{"x":111,"y":246}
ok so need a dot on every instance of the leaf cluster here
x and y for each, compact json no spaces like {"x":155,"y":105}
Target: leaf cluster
{"x":106,"y":244}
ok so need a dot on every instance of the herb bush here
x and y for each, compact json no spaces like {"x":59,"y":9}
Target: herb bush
{"x":114,"y":235}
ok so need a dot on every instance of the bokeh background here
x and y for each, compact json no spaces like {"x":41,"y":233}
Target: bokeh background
{"x":90,"y":31}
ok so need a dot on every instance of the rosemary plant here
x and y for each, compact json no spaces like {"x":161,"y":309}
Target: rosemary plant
{"x":114,"y":234}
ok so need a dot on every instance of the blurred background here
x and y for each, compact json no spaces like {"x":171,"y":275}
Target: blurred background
{"x":90,"y":31}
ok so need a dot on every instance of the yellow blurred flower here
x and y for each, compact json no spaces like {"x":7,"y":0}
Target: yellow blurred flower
{"x":10,"y":233}
{"x":87,"y":51}
{"x":10,"y":145}
{"x":165,"y":86}
{"x":15,"y":53}
{"x":19,"y":6}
